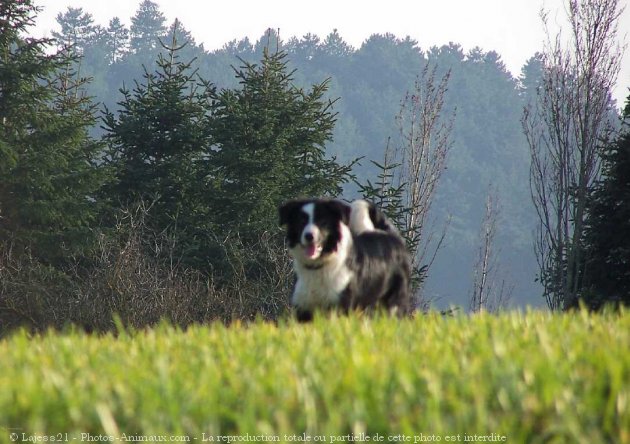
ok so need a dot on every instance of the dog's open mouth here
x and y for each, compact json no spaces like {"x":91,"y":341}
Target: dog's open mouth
{"x":312,"y":251}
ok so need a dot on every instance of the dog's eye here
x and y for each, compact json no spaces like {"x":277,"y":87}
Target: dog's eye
{"x":324,"y":224}
{"x":303,"y":219}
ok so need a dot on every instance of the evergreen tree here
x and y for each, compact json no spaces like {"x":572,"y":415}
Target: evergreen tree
{"x":147,"y":27}
{"x":181,"y":34}
{"x":334,"y":45}
{"x":269,"y":145}
{"x":332,"y":56}
{"x":48,"y":176}
{"x":531,"y":77}
{"x":269,"y":40}
{"x":607,"y":272}
{"x":242,"y":48}
{"x":305,"y":49}
{"x":77,"y":29}
{"x":389,"y":198}
{"x":154,"y":143}
{"x":116,"y":39}
{"x":190,"y":50}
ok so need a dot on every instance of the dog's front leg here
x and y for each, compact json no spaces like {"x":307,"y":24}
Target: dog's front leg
{"x":304,"y":315}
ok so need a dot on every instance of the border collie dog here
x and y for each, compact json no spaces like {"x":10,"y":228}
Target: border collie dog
{"x":345,"y":256}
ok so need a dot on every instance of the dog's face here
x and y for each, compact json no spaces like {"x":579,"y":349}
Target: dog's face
{"x":313,"y":227}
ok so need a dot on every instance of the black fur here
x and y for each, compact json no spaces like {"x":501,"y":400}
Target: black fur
{"x":328,"y":212}
{"x":380,"y":221}
{"x":376,"y":261}
{"x":382,"y":270}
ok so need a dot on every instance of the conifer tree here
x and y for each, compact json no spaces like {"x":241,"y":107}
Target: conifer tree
{"x":77,"y":29}
{"x":147,"y":27}
{"x":607,"y":271}
{"x":155,"y":142}
{"x":269,"y":145}
{"x":334,"y":45}
{"x":116,"y":39}
{"x":48,"y":173}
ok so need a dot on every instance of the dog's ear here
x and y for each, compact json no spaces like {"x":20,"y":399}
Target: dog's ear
{"x":341,"y":209}
{"x":285,"y":210}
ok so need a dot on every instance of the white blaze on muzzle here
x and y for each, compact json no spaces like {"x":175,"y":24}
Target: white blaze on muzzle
{"x":311,"y":235}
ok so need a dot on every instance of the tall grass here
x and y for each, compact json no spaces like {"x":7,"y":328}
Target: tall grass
{"x":534,"y":377}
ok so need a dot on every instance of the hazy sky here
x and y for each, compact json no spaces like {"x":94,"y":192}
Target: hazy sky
{"x":512,"y":28}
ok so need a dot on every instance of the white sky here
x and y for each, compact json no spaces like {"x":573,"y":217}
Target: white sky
{"x":512,"y":28}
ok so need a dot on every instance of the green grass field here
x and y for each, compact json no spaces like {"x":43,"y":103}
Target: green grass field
{"x":535,"y":377}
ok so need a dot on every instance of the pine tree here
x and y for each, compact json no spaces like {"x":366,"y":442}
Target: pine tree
{"x":155,"y":143}
{"x":116,"y":40}
{"x":268,"y":146}
{"x":147,"y":27}
{"x":305,"y":49}
{"x":190,"y":50}
{"x":48,"y":173}
{"x":607,"y":272}
{"x":77,"y":29}
{"x":530,"y":78}
{"x":334,"y":45}
{"x":181,"y":34}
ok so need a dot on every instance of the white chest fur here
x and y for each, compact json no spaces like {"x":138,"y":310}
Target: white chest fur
{"x":322,"y":287}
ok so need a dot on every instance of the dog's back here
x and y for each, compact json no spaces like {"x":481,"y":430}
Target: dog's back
{"x":381,"y":265}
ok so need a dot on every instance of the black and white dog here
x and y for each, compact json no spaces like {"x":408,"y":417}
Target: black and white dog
{"x":345,"y":256}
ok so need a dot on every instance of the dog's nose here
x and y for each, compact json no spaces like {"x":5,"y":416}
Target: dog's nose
{"x":308,"y":237}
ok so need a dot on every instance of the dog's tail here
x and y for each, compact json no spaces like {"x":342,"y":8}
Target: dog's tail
{"x":360,"y":220}
{"x":365,"y":216}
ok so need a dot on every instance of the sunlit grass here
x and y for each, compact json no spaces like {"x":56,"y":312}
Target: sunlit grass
{"x":534,"y":377}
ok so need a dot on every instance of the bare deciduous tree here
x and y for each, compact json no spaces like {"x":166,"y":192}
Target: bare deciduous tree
{"x":412,"y":169}
{"x":564,"y":130}
{"x":425,"y":143}
{"x":490,"y":292}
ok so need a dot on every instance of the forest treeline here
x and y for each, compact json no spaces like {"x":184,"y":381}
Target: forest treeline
{"x":141,"y":173}
{"x":368,"y":85}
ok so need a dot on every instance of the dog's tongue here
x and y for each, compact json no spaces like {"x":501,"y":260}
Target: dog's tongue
{"x":310,"y":250}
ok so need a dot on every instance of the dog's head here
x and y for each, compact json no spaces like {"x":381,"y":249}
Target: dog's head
{"x":313,"y":227}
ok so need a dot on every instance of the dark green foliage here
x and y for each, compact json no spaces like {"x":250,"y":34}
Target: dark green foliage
{"x":607,"y":273}
{"x":155,"y":145}
{"x":48,"y":174}
{"x":210,"y":164}
{"x":370,"y":81}
{"x":85,"y":43}
{"x":269,"y":141}
{"x":389,"y":198}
